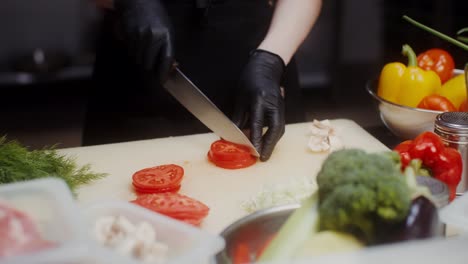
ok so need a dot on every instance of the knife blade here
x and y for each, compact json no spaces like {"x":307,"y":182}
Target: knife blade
{"x":197,"y":103}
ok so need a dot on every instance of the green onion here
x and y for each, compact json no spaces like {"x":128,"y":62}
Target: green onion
{"x":439,"y":34}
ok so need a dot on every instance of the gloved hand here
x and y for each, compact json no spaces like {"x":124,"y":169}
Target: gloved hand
{"x":261,"y":101}
{"x":148,"y":33}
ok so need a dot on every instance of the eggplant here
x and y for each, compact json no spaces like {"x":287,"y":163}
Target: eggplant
{"x":422,"y":222}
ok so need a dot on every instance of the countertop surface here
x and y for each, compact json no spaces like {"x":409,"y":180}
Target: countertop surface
{"x":222,"y":190}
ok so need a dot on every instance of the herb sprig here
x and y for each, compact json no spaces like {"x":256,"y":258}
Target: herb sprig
{"x":18,"y":163}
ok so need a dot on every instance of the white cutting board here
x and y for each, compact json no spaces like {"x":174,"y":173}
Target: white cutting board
{"x":221,"y":190}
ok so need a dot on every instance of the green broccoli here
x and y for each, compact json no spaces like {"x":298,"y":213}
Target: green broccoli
{"x":358,"y":190}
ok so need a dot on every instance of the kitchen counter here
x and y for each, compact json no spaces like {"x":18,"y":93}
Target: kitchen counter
{"x":222,"y":190}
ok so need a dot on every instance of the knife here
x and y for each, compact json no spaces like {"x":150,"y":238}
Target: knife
{"x":192,"y":98}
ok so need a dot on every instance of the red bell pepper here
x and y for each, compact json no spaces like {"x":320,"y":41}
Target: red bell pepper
{"x":426,"y":147}
{"x":445,"y":163}
{"x":403,"y":148}
{"x":448,"y":169}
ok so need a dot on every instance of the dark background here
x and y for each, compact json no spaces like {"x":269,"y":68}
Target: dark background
{"x":352,"y":40}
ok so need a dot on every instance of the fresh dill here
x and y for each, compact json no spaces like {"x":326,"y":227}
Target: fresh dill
{"x":18,"y":163}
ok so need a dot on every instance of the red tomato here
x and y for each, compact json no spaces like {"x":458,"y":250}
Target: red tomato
{"x":225,"y":150}
{"x":463,"y":107}
{"x":159,"y":178}
{"x":437,"y":102}
{"x":174,"y":205}
{"x":229,"y":155}
{"x":403,"y":148}
{"x":241,"y":254}
{"x":439,"y":61}
{"x":192,"y":221}
{"x":18,"y":233}
{"x":144,"y":191}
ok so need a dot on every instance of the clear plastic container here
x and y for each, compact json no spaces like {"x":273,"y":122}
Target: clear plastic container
{"x":186,"y":244}
{"x":49,"y":205}
{"x":456,"y":213}
{"x":79,"y":254}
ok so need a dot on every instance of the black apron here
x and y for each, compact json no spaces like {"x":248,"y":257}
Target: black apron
{"x":212,"y":44}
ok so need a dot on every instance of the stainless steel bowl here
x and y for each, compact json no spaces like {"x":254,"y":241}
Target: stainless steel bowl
{"x":403,"y":121}
{"x":255,"y":229}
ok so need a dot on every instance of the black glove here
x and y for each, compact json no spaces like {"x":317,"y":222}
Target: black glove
{"x":148,"y":34}
{"x":261,"y":102}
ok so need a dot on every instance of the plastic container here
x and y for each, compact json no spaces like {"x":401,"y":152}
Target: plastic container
{"x":186,"y":244}
{"x":49,"y":203}
{"x":456,"y":213}
{"x":79,"y":254}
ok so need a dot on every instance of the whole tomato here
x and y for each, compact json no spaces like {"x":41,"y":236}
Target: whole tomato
{"x":436,"y":102}
{"x":463,"y":106}
{"x":437,"y":60}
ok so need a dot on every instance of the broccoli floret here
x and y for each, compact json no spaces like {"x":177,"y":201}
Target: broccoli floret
{"x":358,"y":193}
{"x":358,"y":190}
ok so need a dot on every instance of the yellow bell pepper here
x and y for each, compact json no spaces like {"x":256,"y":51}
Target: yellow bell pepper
{"x":454,"y":90}
{"x":406,"y":85}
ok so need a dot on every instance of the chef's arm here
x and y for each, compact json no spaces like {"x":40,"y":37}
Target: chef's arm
{"x":291,"y":23}
{"x":260,"y":98}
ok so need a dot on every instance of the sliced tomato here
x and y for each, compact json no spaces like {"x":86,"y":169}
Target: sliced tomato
{"x":192,"y":221}
{"x":225,"y":150}
{"x":234,"y":164}
{"x":230,"y":155}
{"x":161,"y":177}
{"x":155,"y":190}
{"x":174,"y":205}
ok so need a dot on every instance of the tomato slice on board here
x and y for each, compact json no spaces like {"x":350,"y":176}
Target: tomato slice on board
{"x":152,"y":190}
{"x":225,"y":150}
{"x":230,"y":155}
{"x":158,"y":177}
{"x":194,"y":221}
{"x":18,"y":233}
{"x":174,"y":205}
{"x":234,"y":164}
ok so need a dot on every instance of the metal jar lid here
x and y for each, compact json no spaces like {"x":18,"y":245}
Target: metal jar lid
{"x":452,"y":126}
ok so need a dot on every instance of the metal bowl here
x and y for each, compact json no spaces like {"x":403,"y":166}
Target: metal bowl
{"x":403,"y":121}
{"x":255,"y":229}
